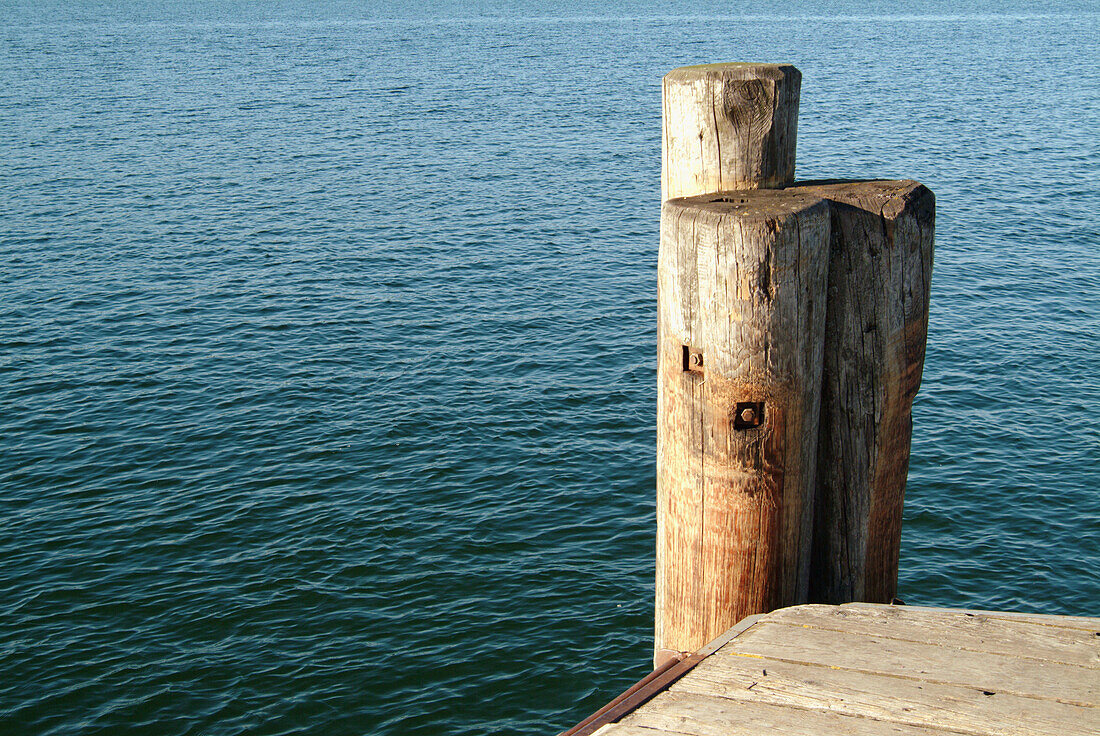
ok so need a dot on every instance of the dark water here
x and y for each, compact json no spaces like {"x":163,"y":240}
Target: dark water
{"x":327,"y":342}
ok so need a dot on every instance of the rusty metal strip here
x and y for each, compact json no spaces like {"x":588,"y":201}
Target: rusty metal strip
{"x":656,"y":682}
{"x":636,"y":695}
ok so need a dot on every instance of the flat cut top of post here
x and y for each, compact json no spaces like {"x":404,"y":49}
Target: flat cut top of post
{"x":869,"y":670}
{"x":889,"y":196}
{"x":746,"y":70}
{"x":729,"y":127}
{"x":748,"y":205}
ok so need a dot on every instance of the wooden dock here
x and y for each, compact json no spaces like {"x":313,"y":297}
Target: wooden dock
{"x":870,"y":670}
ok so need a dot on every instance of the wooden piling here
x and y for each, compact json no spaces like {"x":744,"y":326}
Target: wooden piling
{"x":749,"y":353}
{"x":876,"y":327}
{"x":742,"y":279}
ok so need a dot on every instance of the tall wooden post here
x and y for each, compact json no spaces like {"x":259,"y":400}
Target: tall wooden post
{"x":742,"y":279}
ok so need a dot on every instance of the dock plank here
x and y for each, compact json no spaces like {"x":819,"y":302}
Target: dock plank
{"x":917,"y":660}
{"x":1042,"y":619}
{"x":872,"y":670}
{"x":973,"y":631}
{"x":901,"y":700}
{"x":619,"y":729}
{"x":703,"y":715}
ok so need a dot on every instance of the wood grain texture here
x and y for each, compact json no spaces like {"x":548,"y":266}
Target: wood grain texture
{"x":871,"y":669}
{"x":896,"y":699}
{"x":729,"y":127}
{"x":971,"y":630}
{"x":1084,"y":623}
{"x":741,"y":282}
{"x":880,"y":270}
{"x":997,"y":673}
{"x":620,"y":729}
{"x":704,"y":715}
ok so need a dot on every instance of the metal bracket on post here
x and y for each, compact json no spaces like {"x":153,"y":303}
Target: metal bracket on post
{"x":748,"y":414}
{"x":693,"y":359}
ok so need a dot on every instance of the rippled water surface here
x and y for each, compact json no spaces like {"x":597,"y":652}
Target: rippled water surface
{"x":327,"y":337}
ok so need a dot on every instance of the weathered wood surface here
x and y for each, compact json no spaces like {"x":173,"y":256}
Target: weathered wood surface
{"x":727,"y":127}
{"x":740,"y":328}
{"x":1049,"y":639}
{"x":741,"y":293}
{"x":874,"y":670}
{"x":897,"y":657}
{"x":702,"y":715}
{"x":1084,"y":623}
{"x":880,"y":270}
{"x":866,"y":695}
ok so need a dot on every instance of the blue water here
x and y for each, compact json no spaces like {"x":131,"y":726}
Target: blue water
{"x":327,"y":342}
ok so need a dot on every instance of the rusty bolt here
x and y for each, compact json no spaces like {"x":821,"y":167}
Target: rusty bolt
{"x":696,"y":359}
{"x":748,"y":416}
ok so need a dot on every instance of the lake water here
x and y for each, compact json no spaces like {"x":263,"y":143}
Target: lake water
{"x":327,"y":342}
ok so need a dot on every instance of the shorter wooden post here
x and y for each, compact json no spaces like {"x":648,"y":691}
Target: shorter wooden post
{"x":742,"y":278}
{"x":880,"y":271}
